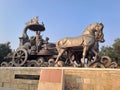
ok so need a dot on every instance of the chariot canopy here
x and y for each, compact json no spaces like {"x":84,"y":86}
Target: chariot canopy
{"x":34,"y":25}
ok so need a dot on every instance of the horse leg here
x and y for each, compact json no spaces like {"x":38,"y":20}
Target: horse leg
{"x":84,"y":55}
{"x":67,"y":61}
{"x":60,"y":52}
{"x":96,"y":54}
{"x":69,"y":56}
{"x":89,"y":58}
{"x":72,"y":58}
{"x":89,"y":61}
{"x":78,"y":60}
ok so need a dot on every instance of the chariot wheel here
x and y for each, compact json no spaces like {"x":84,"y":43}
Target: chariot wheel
{"x":20,"y":57}
{"x":4,"y":64}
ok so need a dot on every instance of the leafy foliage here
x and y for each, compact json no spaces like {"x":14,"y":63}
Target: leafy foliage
{"x":4,"y":50}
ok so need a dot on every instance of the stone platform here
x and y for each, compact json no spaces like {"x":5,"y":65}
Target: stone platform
{"x":27,"y":78}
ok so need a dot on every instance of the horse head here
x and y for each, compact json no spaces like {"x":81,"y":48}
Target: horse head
{"x":93,"y":28}
{"x":99,"y":36}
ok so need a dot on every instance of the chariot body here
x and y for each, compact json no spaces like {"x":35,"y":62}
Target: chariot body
{"x":34,"y":51}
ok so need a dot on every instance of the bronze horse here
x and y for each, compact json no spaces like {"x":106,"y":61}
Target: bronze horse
{"x":86,"y":41}
{"x":73,"y":54}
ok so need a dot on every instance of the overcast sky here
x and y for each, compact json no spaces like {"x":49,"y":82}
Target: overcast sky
{"x":62,"y":18}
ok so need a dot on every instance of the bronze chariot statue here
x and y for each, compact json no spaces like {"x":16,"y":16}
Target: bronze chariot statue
{"x":72,"y":51}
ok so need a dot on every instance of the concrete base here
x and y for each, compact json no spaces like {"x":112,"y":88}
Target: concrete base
{"x":6,"y":88}
{"x":74,"y":78}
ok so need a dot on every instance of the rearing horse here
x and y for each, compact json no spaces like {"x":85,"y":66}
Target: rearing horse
{"x":86,"y":41}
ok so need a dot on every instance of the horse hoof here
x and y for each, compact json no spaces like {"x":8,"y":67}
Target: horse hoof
{"x":85,"y":65}
{"x":56,"y":65}
{"x":79,"y":65}
{"x":55,"y":62}
{"x":82,"y":65}
{"x":74,"y":66}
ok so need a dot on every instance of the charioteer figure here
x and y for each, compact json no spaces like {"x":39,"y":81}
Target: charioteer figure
{"x":38,"y":39}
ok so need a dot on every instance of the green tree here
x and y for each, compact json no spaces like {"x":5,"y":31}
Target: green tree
{"x":108,"y":51}
{"x":116,"y":47}
{"x":4,"y":50}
